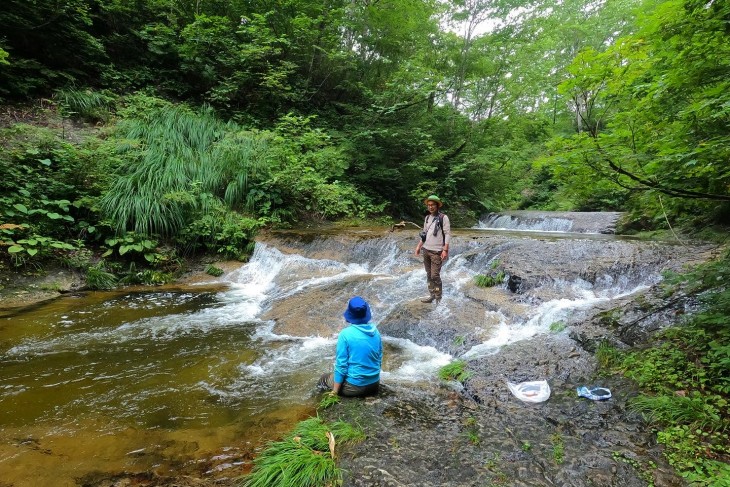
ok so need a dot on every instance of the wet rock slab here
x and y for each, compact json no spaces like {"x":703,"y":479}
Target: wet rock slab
{"x":443,"y":435}
{"x":478,"y":433}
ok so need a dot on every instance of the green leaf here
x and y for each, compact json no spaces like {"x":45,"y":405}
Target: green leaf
{"x":45,"y":162}
{"x":108,"y":253}
{"x":31,"y":252}
{"x":21,"y":208}
{"x":123,"y":249}
{"x":15,"y":249}
{"x":54,"y":216}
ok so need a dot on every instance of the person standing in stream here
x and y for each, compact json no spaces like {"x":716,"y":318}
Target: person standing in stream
{"x":434,"y":242}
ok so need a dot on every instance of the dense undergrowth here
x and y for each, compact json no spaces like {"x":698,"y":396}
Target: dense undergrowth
{"x":124,"y":190}
{"x":684,"y":378}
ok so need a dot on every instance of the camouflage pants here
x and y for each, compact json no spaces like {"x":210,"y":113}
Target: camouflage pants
{"x":432,"y":263}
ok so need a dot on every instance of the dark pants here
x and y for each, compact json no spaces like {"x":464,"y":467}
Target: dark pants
{"x":432,"y":263}
{"x":327,"y":381}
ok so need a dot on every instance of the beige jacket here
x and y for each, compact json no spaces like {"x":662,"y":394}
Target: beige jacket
{"x":442,"y":237}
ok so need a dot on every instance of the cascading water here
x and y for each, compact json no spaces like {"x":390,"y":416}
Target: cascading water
{"x":510,"y":222}
{"x":309,"y":292}
{"x":161,"y":370}
{"x":537,"y":221}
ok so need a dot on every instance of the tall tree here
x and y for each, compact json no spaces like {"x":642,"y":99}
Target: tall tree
{"x":48,"y":44}
{"x":655,"y":106}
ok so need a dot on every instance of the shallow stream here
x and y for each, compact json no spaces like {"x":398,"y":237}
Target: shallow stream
{"x":190,"y":380}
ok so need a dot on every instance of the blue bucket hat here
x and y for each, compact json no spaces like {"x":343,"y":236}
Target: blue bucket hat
{"x":358,"y":311}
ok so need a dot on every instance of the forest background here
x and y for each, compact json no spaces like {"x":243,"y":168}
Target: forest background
{"x":138,"y":133}
{"x":214,"y":118}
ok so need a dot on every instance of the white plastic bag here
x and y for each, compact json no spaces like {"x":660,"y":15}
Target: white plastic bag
{"x":532,"y":391}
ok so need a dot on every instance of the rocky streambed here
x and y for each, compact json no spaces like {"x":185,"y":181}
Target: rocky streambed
{"x":476,"y":433}
{"x":479,"y":434}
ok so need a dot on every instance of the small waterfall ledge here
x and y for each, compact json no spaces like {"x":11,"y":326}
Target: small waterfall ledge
{"x":553,"y":221}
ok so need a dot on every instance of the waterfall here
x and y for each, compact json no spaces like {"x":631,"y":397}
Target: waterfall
{"x":536,"y":221}
{"x":303,"y":289}
{"x":511,"y":222}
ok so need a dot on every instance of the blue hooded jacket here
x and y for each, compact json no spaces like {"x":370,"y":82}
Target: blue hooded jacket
{"x":359,"y":355}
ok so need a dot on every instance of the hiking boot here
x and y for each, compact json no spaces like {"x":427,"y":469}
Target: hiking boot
{"x":428,"y":299}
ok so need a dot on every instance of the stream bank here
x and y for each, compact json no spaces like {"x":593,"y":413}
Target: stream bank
{"x":20,"y":288}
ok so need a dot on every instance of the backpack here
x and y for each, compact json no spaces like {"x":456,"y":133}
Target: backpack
{"x":439,"y":224}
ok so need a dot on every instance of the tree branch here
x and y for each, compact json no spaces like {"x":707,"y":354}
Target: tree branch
{"x":681,"y":193}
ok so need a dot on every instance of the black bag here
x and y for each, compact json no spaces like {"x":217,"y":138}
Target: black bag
{"x":439,"y":224}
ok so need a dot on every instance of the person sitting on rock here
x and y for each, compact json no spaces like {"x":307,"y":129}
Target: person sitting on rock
{"x":359,"y":354}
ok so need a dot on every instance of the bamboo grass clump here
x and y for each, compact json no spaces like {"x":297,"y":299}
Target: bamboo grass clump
{"x":180,"y":163}
{"x":304,"y":458}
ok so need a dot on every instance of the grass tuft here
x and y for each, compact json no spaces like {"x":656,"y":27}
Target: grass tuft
{"x":328,"y":400}
{"x":482,"y":280}
{"x":180,"y":164}
{"x":456,"y":370}
{"x":98,"y":278}
{"x":696,"y":410}
{"x":607,"y":355}
{"x":557,"y":326}
{"x":214,"y":271}
{"x":304,"y":458}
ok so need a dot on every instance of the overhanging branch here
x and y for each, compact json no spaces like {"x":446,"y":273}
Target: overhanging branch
{"x":681,"y":193}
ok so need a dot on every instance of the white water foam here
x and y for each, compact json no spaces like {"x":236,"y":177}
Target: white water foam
{"x":545,"y":315}
{"x":508,"y":222}
{"x":418,"y":362}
